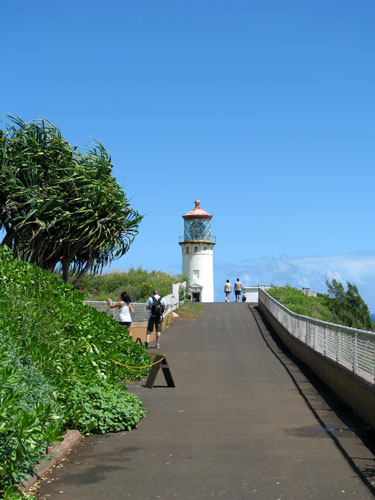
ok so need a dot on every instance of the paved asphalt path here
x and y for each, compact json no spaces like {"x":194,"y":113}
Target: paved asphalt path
{"x":244,"y":422}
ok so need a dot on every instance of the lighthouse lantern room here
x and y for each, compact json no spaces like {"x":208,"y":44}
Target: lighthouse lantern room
{"x":197,"y":253}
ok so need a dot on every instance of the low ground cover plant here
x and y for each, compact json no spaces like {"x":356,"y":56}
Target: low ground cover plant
{"x":190,"y":310}
{"x":57,"y":368}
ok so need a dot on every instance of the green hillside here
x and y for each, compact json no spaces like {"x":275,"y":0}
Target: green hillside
{"x":296,"y":301}
{"x":340,"y":306}
{"x":57,"y":369}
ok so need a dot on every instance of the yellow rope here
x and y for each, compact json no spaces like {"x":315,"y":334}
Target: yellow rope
{"x":138,"y":367}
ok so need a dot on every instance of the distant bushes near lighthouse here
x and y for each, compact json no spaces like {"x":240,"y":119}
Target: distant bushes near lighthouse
{"x":138,"y":283}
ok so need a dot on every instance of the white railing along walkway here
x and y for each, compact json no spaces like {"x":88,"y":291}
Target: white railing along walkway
{"x":351,"y":348}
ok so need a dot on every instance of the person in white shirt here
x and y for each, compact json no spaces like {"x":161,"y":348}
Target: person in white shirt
{"x":227,"y":291}
{"x":124,"y":309}
{"x":156,"y":305}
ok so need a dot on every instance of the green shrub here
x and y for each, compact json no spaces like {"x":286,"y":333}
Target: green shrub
{"x":56,"y":350}
{"x":29,"y":382}
{"x":63,"y":338}
{"x":27,"y":427}
{"x":100,"y":408}
{"x":296,"y":301}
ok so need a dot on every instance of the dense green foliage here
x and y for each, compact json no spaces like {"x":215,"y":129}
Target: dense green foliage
{"x":60,"y":207}
{"x":56,"y":367}
{"x":338,"y":306}
{"x":138,"y":283}
{"x":298,"y":302}
{"x":28,"y":417}
{"x":348,"y":307}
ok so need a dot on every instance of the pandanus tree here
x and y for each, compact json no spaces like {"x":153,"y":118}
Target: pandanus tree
{"x":60,"y":208}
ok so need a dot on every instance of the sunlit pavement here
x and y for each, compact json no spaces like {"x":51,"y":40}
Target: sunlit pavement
{"x":243,"y":422}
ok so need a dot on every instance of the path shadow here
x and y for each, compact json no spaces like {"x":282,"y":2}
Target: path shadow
{"x":334,"y":417}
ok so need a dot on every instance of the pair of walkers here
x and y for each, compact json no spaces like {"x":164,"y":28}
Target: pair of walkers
{"x":156,"y":307}
{"x":237,"y":290}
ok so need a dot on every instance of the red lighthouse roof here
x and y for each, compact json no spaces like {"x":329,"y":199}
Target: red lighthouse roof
{"x":197,"y":213}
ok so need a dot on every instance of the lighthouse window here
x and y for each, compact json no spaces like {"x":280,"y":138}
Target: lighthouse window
{"x":197,"y":230}
{"x":187,"y":250}
{"x":204,"y":248}
{"x":196,"y":273}
{"x":195,"y":249}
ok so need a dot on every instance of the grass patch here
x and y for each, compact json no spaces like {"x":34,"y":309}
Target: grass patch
{"x":296,"y":301}
{"x":190,"y":310}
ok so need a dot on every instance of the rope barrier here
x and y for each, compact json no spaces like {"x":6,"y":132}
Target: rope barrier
{"x":138,"y":367}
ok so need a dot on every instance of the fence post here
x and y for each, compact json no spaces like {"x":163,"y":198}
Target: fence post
{"x":314,"y":335}
{"x":355,"y":352}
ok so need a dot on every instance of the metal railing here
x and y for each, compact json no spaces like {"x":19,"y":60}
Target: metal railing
{"x":209,"y":239}
{"x":351,"y":348}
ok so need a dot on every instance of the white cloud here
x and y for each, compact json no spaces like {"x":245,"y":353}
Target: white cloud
{"x":310,"y":271}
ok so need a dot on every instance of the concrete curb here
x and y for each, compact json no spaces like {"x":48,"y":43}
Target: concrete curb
{"x":58,"y":451}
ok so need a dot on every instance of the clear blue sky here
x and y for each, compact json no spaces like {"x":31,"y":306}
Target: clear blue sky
{"x":263,"y":110}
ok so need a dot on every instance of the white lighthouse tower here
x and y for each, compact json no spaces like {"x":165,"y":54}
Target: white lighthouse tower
{"x":197,"y":253}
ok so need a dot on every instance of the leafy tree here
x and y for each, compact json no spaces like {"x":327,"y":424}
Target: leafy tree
{"x":348,"y":306}
{"x":60,"y":208}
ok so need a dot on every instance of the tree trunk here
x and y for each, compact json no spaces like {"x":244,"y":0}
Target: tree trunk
{"x":65,"y":269}
{"x":83,"y":273}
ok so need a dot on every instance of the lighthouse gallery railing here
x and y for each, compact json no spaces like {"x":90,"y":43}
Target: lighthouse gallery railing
{"x":351,"y":348}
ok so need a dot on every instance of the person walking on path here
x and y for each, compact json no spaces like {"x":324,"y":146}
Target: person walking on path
{"x":227,"y":291}
{"x":238,"y":289}
{"x":156,"y":306}
{"x":124,"y":309}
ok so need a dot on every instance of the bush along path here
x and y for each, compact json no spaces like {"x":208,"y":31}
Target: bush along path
{"x":56,"y":369}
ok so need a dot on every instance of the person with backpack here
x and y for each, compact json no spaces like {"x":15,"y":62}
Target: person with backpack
{"x":156,"y":306}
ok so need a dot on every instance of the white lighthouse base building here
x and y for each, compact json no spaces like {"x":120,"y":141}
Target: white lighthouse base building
{"x":197,"y":264}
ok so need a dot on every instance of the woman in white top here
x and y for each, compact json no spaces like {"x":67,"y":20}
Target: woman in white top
{"x":124,"y":309}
